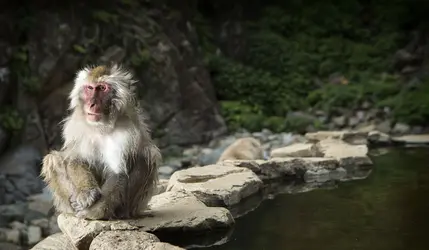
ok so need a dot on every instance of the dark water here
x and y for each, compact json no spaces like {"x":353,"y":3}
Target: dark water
{"x":387,"y":211}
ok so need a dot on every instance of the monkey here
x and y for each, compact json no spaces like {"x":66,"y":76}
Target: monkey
{"x":107,"y":166}
{"x":247,"y":148}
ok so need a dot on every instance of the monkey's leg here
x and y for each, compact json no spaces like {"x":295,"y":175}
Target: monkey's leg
{"x":86,"y":190}
{"x":112,"y":196}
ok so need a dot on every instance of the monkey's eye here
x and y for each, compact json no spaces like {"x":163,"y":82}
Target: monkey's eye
{"x":102,"y":87}
{"x":89,"y":87}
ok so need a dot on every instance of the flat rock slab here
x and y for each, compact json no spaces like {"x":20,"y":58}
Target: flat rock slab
{"x":351,"y":137}
{"x":346,"y":154}
{"x":216,"y":185}
{"x":296,"y":150}
{"x":412,"y":139}
{"x":281,"y":167}
{"x":129,"y":240}
{"x":55,"y":242}
{"x":169,"y":212}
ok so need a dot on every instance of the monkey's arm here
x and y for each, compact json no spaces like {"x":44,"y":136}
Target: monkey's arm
{"x":72,"y":184}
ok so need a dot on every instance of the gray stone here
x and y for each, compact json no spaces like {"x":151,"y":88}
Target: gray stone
{"x":21,"y":167}
{"x":34,"y":234}
{"x":216,"y":185}
{"x":169,"y":212}
{"x":130,"y":240}
{"x":400,"y":128}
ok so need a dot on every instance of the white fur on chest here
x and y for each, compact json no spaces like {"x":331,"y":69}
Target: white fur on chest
{"x":108,"y":149}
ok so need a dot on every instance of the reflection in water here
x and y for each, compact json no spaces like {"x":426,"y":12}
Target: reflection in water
{"x":387,"y":210}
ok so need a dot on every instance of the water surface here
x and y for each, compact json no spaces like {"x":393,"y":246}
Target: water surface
{"x":387,"y":211}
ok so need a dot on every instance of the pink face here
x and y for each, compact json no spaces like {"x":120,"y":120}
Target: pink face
{"x":95,"y":96}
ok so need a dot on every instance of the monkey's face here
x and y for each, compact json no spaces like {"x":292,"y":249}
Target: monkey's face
{"x":96,"y":100}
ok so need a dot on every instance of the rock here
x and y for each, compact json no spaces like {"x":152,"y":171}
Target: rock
{"x":288,"y":167}
{"x":55,"y":242}
{"x":18,"y":225}
{"x":10,"y":235}
{"x":384,"y":127}
{"x":316,"y":175}
{"x":339,"y":121}
{"x":43,"y":223}
{"x":52,"y":110}
{"x":41,"y":203}
{"x":351,"y":137}
{"x":216,"y":185}
{"x":13,"y":212}
{"x":345,"y":153}
{"x":32,"y":134}
{"x":378,"y":137}
{"x":296,"y":150}
{"x":247,"y":148}
{"x":127,"y":239}
{"x":170,"y":212}
{"x":53,"y":225}
{"x":353,"y":121}
{"x":21,"y":168}
{"x":114,"y":54}
{"x":165,"y":170}
{"x":34,"y":234}
{"x":360,"y":116}
{"x":400,"y":128}
{"x":161,"y":187}
{"x":366,"y":128}
{"x":9,"y":246}
{"x":421,"y":139}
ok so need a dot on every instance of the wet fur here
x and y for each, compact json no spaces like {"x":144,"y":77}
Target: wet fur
{"x":247,"y":148}
{"x":105,"y":170}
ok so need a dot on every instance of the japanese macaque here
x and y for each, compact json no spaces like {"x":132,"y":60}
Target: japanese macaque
{"x":247,"y":148}
{"x":107,"y":167}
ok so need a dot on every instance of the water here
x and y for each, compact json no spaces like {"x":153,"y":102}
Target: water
{"x":387,"y":211}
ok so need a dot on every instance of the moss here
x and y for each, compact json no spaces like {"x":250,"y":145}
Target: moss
{"x":11,"y":120}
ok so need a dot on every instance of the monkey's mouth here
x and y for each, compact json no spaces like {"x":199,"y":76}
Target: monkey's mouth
{"x":95,"y":117}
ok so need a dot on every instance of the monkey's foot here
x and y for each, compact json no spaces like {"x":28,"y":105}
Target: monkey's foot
{"x":85,"y":199}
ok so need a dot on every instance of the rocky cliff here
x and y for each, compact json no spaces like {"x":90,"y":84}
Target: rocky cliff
{"x":46,"y":43}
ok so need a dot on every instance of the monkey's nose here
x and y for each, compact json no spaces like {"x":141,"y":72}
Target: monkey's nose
{"x":92,"y":105}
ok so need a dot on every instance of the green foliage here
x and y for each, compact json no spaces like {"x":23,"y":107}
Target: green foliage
{"x":79,"y":48}
{"x":105,"y":17}
{"x":295,"y":42}
{"x":239,"y":115}
{"x":11,"y":120}
{"x":234,"y":81}
{"x":141,"y":58}
{"x":368,"y":87}
{"x":22,"y":73}
{"x":410,"y":105}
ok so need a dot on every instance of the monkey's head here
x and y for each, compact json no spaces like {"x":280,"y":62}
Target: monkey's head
{"x":101,"y":93}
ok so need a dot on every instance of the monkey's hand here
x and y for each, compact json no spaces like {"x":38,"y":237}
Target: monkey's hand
{"x":84,"y":199}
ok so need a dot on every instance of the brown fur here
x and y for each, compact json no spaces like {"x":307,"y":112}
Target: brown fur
{"x":247,"y":148}
{"x":105,"y":170}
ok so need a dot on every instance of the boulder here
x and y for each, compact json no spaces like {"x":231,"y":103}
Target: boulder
{"x":170,"y":212}
{"x":55,"y":242}
{"x":296,"y":150}
{"x":216,"y":185}
{"x":130,"y":240}
{"x":19,"y":174}
{"x":351,"y":137}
